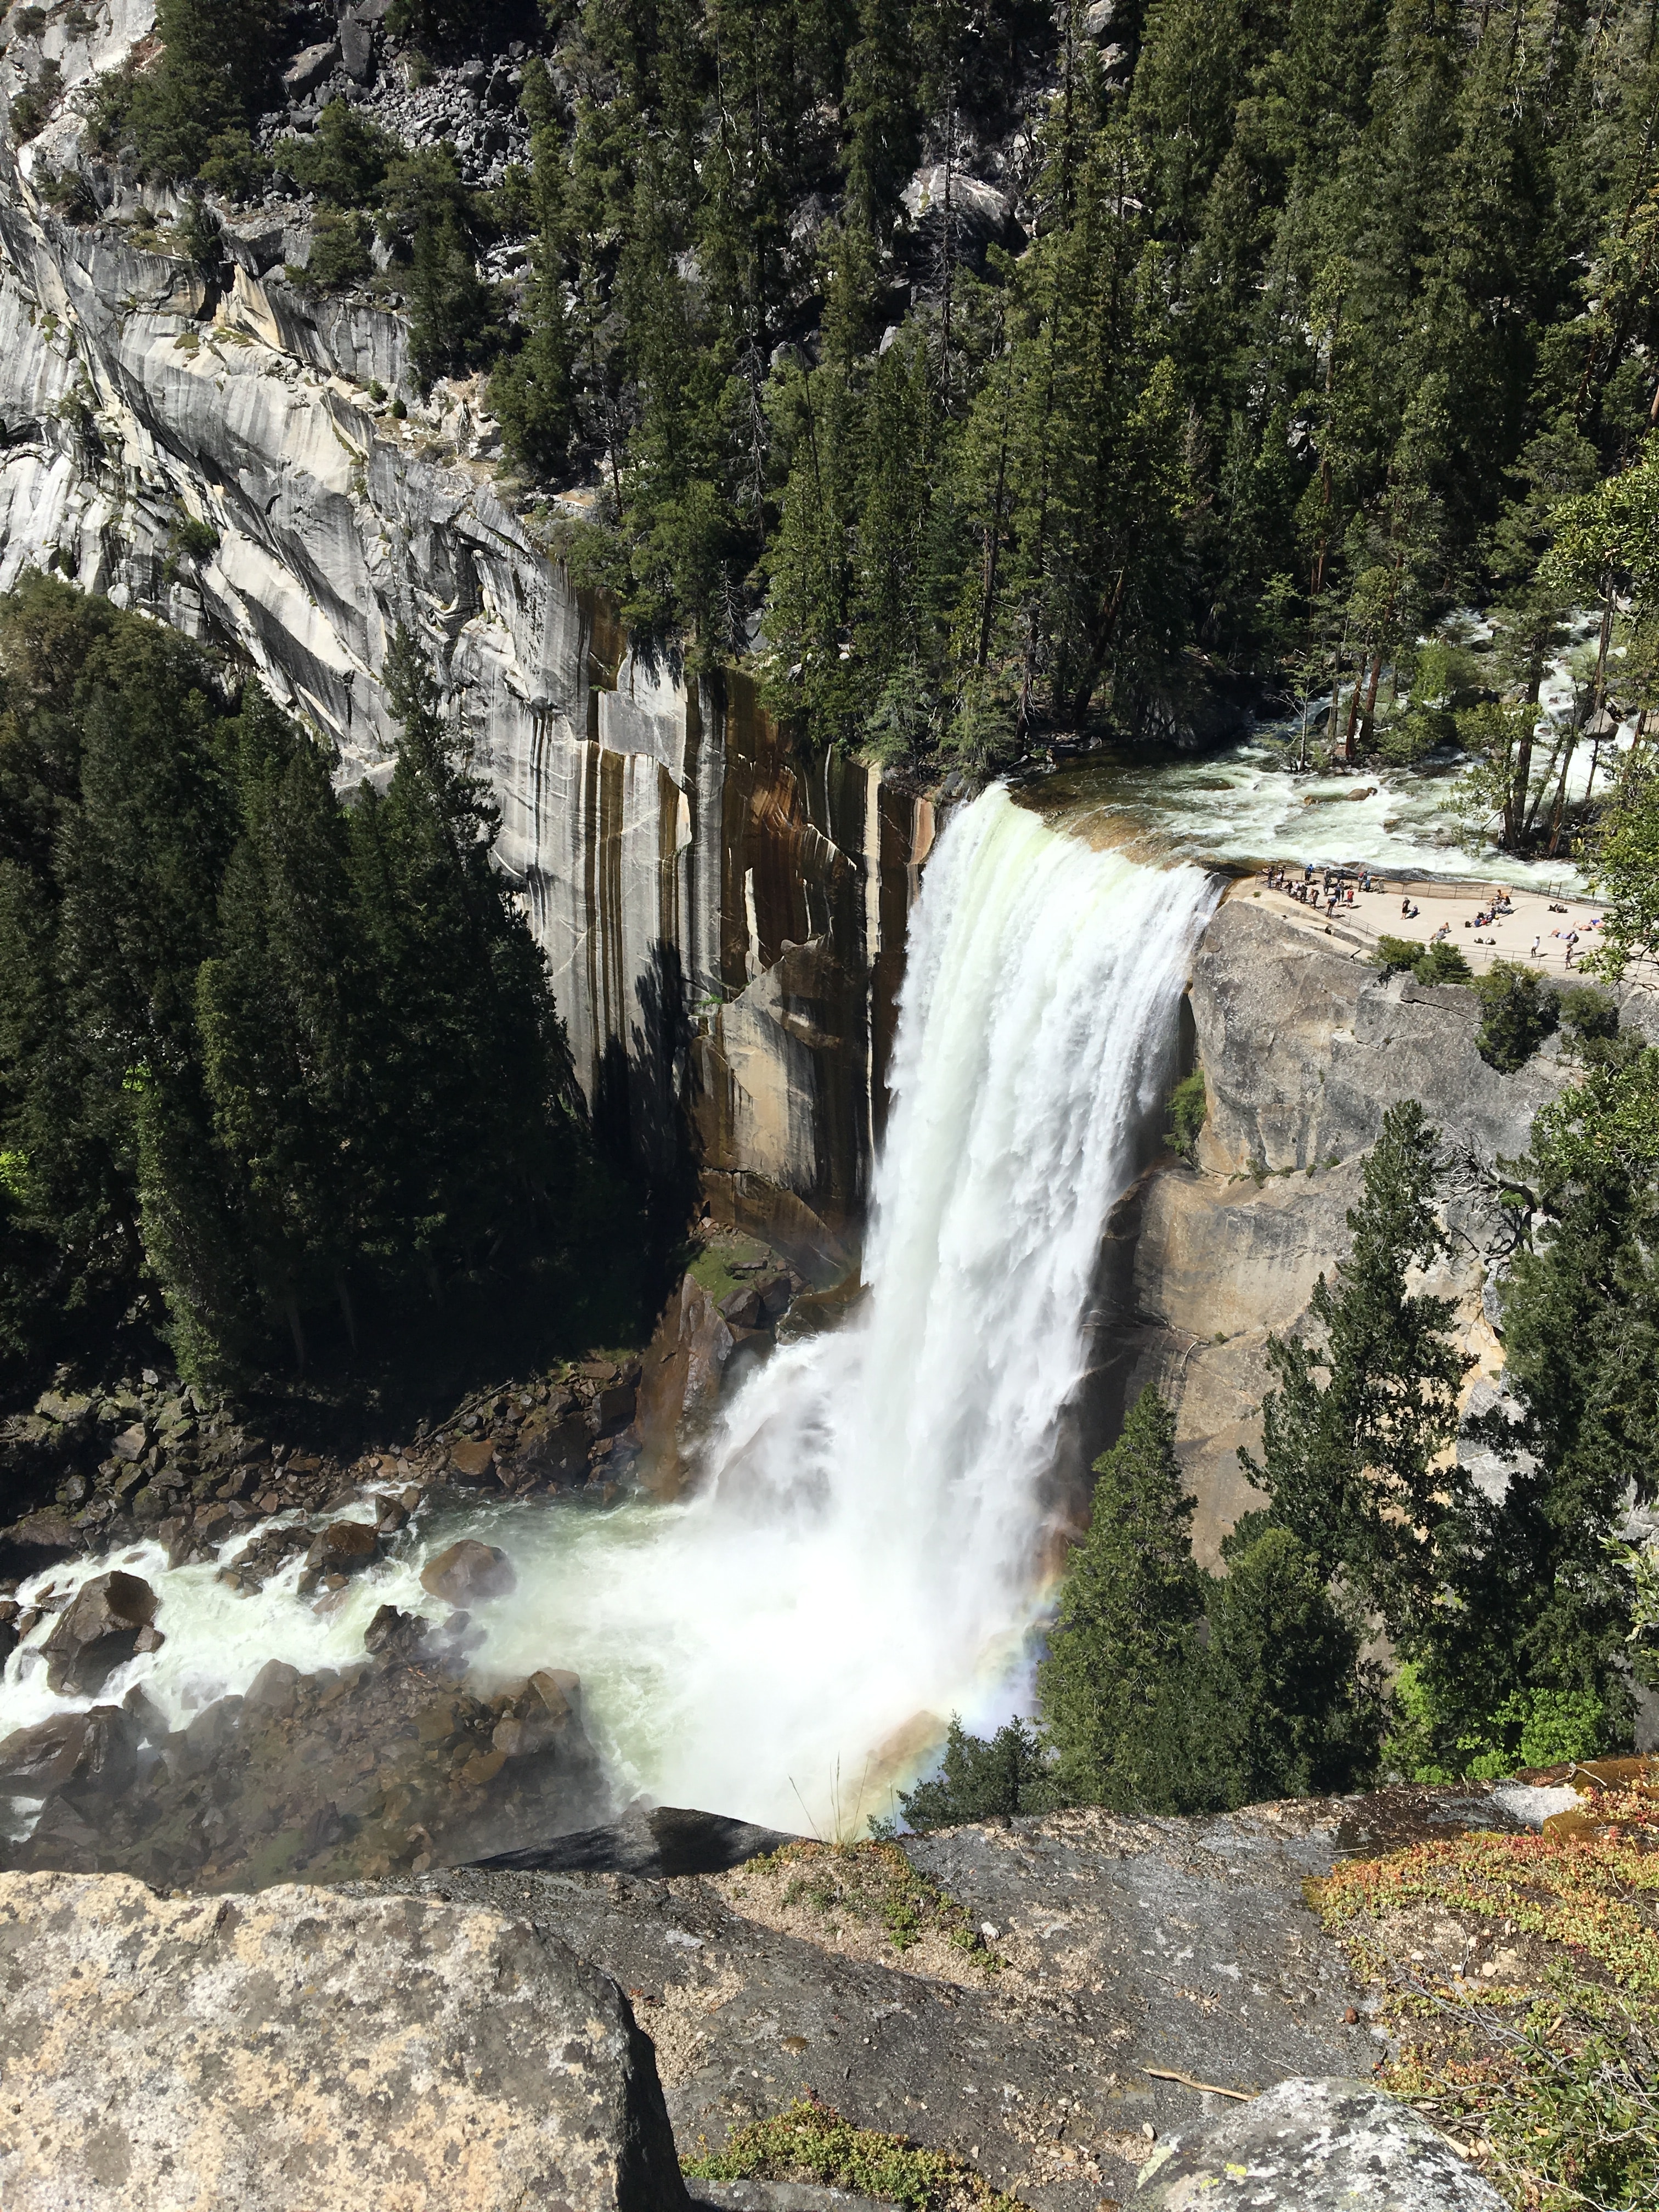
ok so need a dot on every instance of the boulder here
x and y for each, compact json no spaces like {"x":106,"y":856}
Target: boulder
{"x":342,"y":1547}
{"x":316,"y":2049}
{"x":274,"y":1688}
{"x":93,"y":1753}
{"x":660,"y":1844}
{"x":309,"y":70}
{"x":613,"y":1407}
{"x":742,"y":1308}
{"x":130,"y":1443}
{"x":47,"y":1530}
{"x":393,"y":1634}
{"x":98,"y":1632}
{"x":1316,"y":2146}
{"x":472,"y":1460}
{"x":356,"y":50}
{"x":468,"y":1573}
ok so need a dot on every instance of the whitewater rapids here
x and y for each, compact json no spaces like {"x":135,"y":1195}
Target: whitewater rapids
{"x":864,"y":1553}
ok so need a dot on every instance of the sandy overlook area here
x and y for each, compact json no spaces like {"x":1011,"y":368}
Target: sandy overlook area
{"x":1539,"y":919}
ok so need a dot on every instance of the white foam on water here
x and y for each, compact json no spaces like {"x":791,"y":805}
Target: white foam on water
{"x":865,"y":1545}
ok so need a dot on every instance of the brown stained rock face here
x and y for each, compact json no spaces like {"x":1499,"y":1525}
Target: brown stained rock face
{"x":467,"y":1572}
{"x":317,"y":2050}
{"x":98,"y":1632}
{"x":680,"y":1384}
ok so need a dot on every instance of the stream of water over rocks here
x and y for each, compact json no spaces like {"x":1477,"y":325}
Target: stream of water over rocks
{"x":865,"y":1550}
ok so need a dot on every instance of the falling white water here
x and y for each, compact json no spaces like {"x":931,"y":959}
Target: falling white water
{"x":863,"y":1555}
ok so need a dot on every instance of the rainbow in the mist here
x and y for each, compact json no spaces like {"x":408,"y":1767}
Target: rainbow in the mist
{"x":863,"y":1555}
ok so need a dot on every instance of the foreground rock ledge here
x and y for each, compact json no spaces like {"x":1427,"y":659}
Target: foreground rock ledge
{"x":1332,"y":2145}
{"x":300,"y":2049}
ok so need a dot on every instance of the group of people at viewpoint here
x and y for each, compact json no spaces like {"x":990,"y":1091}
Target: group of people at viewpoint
{"x":1330,"y":888}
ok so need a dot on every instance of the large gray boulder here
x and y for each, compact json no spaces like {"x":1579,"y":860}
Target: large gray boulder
{"x":1307,"y":2145}
{"x":98,"y":1632}
{"x":300,"y":2048}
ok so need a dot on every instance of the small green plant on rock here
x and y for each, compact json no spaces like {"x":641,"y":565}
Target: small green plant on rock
{"x":875,"y":1884}
{"x":1189,"y":1105}
{"x":810,"y":2142}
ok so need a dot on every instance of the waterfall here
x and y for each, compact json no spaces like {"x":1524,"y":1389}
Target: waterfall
{"x":863,"y":1555}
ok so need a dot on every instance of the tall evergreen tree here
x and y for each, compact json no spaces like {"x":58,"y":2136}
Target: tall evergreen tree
{"x":1117,"y":1688}
{"x":1354,"y":1435}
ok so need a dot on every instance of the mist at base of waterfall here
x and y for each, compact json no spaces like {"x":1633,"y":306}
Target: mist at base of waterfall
{"x":863,"y":1553}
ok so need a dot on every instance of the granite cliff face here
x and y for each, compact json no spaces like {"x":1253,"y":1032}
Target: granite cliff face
{"x":1303,"y":1048}
{"x":723,"y":915}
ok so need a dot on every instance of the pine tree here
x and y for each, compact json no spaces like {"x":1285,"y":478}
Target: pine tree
{"x":980,"y":1778}
{"x":195,"y":109}
{"x":1294,"y":1710}
{"x":1352,"y":1462}
{"x":1117,"y":1690}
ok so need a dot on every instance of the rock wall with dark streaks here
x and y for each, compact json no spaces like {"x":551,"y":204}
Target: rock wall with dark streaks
{"x":724,"y":916}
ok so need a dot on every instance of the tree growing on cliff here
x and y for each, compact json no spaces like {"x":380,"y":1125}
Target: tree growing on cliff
{"x":192,"y":114}
{"x":1354,"y":1436}
{"x":1118,"y":1688}
{"x":1540,"y":1604}
{"x":270,"y":1056}
{"x":1009,"y":1772}
{"x":1291,"y":1706}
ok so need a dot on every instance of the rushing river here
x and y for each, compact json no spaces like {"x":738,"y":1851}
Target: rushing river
{"x":863,"y":1555}
{"x":1240,"y":807}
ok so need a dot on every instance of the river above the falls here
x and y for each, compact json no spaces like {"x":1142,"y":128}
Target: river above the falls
{"x":1240,"y":807}
{"x":867,"y":1549}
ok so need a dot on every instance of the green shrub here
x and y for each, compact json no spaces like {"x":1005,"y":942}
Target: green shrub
{"x":345,"y":163}
{"x":1520,"y":1012}
{"x":1591,"y":1015}
{"x":195,"y":540}
{"x":1189,"y":1104}
{"x":1414,"y":736}
{"x":339,"y":255}
{"x":1429,"y":964}
{"x":199,"y":236}
{"x":1394,"y":955}
{"x":1430,"y":1741}
{"x":1008,"y":1773}
{"x":33,"y":106}
{"x":812,"y":2142}
{"x":1441,"y":963}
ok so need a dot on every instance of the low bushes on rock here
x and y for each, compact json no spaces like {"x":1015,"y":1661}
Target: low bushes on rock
{"x":1520,"y":1011}
{"x":1426,"y":963}
{"x":1189,"y":1106}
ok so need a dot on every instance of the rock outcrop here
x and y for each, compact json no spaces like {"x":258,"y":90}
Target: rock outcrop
{"x":723,"y":916}
{"x":1047,"y":1996}
{"x":303,"y":2048}
{"x":1302,"y":1048}
{"x":391,"y":1764}
{"x":1316,"y":2147}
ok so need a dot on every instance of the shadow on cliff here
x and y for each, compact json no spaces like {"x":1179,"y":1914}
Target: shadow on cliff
{"x":644,"y":1117}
